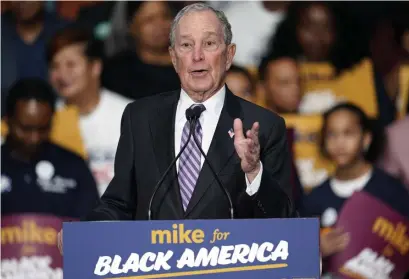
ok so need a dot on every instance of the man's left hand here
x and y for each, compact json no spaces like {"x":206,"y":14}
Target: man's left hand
{"x":247,"y":148}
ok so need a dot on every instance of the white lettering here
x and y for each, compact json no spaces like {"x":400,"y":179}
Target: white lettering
{"x":103,"y":266}
{"x":370,"y":265}
{"x":116,"y":263}
{"x":132,"y":263}
{"x":281,"y":251}
{"x":216,"y":256}
{"x":33,"y":267}
{"x":261,"y":251}
{"x":240,"y":253}
{"x":187,"y":258}
{"x":145,"y":263}
{"x":162,"y":260}
{"x":225,"y":255}
{"x":204,"y":257}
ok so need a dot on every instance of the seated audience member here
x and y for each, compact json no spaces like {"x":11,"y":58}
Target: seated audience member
{"x":38,"y":176}
{"x":25,"y":29}
{"x":280,"y":80}
{"x":395,"y":159}
{"x":147,"y":68}
{"x":241,"y":83}
{"x":75,"y":60}
{"x":347,"y":139}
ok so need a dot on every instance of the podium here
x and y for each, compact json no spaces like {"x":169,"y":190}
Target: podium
{"x":242,"y":248}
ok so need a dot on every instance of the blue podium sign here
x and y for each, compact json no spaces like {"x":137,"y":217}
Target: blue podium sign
{"x":242,"y":248}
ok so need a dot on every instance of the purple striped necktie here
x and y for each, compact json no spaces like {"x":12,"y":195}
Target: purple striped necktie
{"x":189,"y":163}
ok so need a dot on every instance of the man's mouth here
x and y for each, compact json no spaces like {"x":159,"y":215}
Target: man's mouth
{"x":63,"y":84}
{"x":198,"y":73}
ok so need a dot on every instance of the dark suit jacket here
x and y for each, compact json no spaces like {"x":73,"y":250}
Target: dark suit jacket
{"x":146,"y":148}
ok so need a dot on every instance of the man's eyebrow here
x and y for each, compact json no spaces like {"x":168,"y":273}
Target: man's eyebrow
{"x":186,"y":36}
{"x":211,"y":33}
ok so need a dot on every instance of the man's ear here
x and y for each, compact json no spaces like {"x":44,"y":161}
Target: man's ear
{"x":96,"y":68}
{"x":172,"y":53}
{"x":231,"y":51}
{"x":367,"y":140}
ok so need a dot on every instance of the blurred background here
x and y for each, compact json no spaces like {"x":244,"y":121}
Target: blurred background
{"x":69,"y":68}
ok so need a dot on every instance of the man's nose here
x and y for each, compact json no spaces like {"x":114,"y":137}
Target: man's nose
{"x":198,"y":54}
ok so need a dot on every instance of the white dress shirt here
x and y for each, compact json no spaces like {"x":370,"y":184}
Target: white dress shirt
{"x":208,"y":120}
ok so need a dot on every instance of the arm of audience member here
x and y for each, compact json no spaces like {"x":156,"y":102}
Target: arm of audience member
{"x":333,"y":241}
{"x":119,"y":200}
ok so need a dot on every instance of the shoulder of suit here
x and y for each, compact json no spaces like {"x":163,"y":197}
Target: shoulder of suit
{"x":152,"y":102}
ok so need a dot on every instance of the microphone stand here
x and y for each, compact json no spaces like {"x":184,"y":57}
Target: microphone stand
{"x":226,"y":192}
{"x":157,"y":186}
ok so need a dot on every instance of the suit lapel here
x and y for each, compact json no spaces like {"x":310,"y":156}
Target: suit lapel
{"x":221,"y":148}
{"x":163,"y":140}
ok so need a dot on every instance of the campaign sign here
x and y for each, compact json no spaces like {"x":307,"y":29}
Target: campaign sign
{"x":29,"y":247}
{"x":258,"y":248}
{"x":379,"y":240}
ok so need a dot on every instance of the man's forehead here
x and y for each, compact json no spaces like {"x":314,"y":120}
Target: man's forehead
{"x":32,"y":108}
{"x":205,"y":22}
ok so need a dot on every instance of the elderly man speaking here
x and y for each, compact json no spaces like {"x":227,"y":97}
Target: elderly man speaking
{"x":245,"y":144}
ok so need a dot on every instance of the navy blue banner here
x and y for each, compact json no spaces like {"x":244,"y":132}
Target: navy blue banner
{"x":262,"y":248}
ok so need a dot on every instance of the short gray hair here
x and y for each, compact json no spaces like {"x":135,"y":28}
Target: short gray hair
{"x":199,"y":7}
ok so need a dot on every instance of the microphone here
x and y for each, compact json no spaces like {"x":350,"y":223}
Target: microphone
{"x":194,"y":115}
{"x":157,"y":186}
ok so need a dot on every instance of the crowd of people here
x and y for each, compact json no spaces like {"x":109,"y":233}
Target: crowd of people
{"x":336,"y":72}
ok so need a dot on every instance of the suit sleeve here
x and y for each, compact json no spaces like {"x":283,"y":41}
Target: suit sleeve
{"x":273,"y":199}
{"x":119,"y":200}
{"x":88,"y":195}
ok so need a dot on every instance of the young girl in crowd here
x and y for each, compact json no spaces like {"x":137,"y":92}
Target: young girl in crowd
{"x":348,"y":139}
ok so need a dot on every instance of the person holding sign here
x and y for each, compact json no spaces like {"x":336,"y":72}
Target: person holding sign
{"x":245,"y":144}
{"x":347,"y":138}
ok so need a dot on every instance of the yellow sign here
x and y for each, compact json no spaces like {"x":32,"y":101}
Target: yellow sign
{"x":312,"y":167}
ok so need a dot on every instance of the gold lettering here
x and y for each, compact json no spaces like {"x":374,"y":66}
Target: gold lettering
{"x":50,"y":236}
{"x":161,"y":235}
{"x":184,"y":236}
{"x":177,"y":236}
{"x":11,"y":235}
{"x":394,"y":235}
{"x":198,"y":236}
{"x":29,"y":232}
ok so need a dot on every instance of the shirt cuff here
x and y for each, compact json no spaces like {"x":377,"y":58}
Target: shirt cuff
{"x":253,"y":187}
